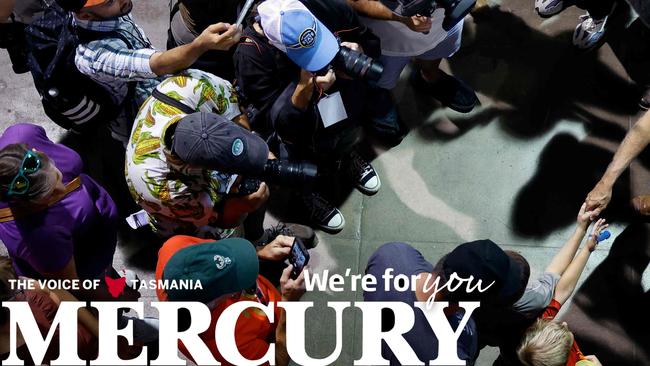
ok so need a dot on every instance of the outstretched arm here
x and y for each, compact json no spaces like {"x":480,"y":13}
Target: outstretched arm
{"x":635,"y":141}
{"x":220,"y":36}
{"x":563,"y":258}
{"x":569,"y":279}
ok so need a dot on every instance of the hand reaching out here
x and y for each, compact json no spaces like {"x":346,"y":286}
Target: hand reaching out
{"x":586,"y":217}
{"x":599,"y":226}
{"x":220,"y":36}
{"x":599,"y":197}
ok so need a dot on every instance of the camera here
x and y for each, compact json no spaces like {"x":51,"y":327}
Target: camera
{"x":281,"y":172}
{"x":355,"y":64}
{"x":455,"y":10}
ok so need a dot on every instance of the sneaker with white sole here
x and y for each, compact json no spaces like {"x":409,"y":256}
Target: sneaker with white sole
{"x":364,"y":175}
{"x":323,"y":214}
{"x":589,"y":32}
{"x":547,"y":8}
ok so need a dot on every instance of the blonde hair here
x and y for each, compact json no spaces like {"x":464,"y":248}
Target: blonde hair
{"x":545,"y":343}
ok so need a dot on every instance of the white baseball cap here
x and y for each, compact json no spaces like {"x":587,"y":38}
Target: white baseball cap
{"x":294,"y":30}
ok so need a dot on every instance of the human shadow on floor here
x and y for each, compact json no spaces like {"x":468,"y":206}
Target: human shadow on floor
{"x":609,"y":313}
{"x":532,"y":79}
{"x":566,"y":171}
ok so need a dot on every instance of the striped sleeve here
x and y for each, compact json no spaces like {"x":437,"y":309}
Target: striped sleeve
{"x":111,"y":58}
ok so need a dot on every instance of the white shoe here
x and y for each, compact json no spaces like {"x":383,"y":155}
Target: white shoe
{"x":547,"y":8}
{"x":589,"y":32}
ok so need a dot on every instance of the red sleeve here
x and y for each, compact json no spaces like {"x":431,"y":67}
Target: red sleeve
{"x":551,"y":310}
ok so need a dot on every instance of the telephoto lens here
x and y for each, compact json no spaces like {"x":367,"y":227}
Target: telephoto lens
{"x":280,"y":172}
{"x":285,"y":172}
{"x":357,"y":65}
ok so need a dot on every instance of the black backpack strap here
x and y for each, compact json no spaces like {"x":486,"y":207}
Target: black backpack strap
{"x":173,"y":102}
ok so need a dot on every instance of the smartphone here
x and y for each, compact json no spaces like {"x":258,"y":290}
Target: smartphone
{"x":299,"y":257}
{"x":244,"y":11}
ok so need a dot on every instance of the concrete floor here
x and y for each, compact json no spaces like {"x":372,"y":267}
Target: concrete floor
{"x":514,"y":171}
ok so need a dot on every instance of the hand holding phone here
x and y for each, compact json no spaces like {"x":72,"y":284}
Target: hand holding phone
{"x":291,"y":289}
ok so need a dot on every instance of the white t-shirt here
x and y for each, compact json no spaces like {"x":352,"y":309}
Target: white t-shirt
{"x":398,"y":40}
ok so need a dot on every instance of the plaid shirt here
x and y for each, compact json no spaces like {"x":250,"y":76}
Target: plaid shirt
{"x":112,"y":64}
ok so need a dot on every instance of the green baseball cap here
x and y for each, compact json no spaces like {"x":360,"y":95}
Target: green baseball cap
{"x":222,"y":267}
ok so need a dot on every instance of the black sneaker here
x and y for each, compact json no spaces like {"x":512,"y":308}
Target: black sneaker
{"x":451,"y":92}
{"x":304,"y":233}
{"x":364,"y":175}
{"x":323,"y":214}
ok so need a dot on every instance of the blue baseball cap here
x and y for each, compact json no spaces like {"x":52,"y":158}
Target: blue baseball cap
{"x":294,"y":30}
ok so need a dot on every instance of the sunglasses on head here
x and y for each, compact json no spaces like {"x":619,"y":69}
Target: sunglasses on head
{"x":20,"y":184}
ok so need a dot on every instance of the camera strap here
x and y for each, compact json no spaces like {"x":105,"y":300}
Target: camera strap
{"x":173,"y":102}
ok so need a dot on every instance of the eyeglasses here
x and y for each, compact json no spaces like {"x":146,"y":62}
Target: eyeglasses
{"x":20,"y":184}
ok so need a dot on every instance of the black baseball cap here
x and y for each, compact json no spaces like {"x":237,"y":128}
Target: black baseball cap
{"x":212,"y":141}
{"x":486,"y":261}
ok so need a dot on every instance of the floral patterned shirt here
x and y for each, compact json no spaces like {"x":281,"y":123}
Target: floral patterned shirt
{"x":179,"y":198}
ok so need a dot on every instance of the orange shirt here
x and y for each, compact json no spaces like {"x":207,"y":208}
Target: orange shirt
{"x":575,"y":354}
{"x":253,"y":331}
